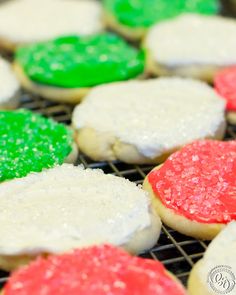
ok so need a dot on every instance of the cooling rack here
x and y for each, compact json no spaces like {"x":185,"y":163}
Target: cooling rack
{"x":176,"y":251}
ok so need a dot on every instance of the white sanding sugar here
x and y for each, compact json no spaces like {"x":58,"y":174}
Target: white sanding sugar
{"x":193,"y":40}
{"x":68,"y":207}
{"x":155,"y":115}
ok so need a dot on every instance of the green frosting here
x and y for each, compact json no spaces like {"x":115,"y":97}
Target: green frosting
{"x":30,"y":142}
{"x":144,"y":13}
{"x":75,"y":61}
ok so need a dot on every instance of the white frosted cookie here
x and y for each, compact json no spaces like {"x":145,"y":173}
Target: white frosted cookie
{"x":9,"y":86}
{"x":145,"y":121}
{"x":26,"y":21}
{"x":191,"y":45}
{"x":68,"y":207}
{"x":216,"y":272}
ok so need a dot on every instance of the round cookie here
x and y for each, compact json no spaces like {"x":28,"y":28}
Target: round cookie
{"x":189,"y":46}
{"x":215,"y":272}
{"x":108,"y":271}
{"x":225,"y":85}
{"x":133,"y":18}
{"x":66,"y":68}
{"x":194,"y":190}
{"x":29,"y":21}
{"x":30,"y":143}
{"x":68,"y":207}
{"x":9,"y":86}
{"x":145,"y":121}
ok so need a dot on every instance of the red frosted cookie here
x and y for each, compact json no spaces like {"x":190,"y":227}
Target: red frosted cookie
{"x":225,"y":85}
{"x":97,"y":270}
{"x":194,"y":191}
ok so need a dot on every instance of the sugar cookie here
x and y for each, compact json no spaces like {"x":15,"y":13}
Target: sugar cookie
{"x":225,"y":85}
{"x":68,"y":207}
{"x":108,"y":270}
{"x":133,"y":18}
{"x":30,"y":143}
{"x":9,"y":86}
{"x":215,"y":273}
{"x":194,"y":191}
{"x":191,"y":45}
{"x":29,"y":21}
{"x":144,"y":121}
{"x":66,"y":68}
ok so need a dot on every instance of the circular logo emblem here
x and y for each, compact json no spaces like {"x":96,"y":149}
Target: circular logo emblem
{"x":221,"y":279}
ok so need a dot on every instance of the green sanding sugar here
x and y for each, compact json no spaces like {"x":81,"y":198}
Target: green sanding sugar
{"x":81,"y":61}
{"x":144,"y":13}
{"x":30,"y":143}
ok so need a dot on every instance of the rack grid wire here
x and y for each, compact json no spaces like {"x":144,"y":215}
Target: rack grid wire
{"x":176,"y":251}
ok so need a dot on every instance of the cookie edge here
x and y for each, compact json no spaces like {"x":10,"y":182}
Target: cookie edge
{"x":191,"y":228}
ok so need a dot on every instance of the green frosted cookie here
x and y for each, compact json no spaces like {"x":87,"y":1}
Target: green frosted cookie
{"x":74,"y":62}
{"x":30,"y":143}
{"x":144,"y":13}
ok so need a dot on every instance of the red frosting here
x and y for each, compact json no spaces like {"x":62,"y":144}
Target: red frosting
{"x":199,"y":181}
{"x":97,"y":270}
{"x":225,"y":85}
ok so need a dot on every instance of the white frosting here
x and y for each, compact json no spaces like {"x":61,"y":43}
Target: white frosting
{"x":153,"y":115}
{"x":193,"y":39}
{"x":221,"y":251}
{"x":23,"y":21}
{"x":68,"y":207}
{"x":9,"y":85}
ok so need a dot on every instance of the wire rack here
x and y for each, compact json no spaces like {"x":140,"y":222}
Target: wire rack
{"x":176,"y":251}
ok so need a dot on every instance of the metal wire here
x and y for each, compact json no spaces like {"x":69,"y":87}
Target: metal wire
{"x":176,"y":251}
